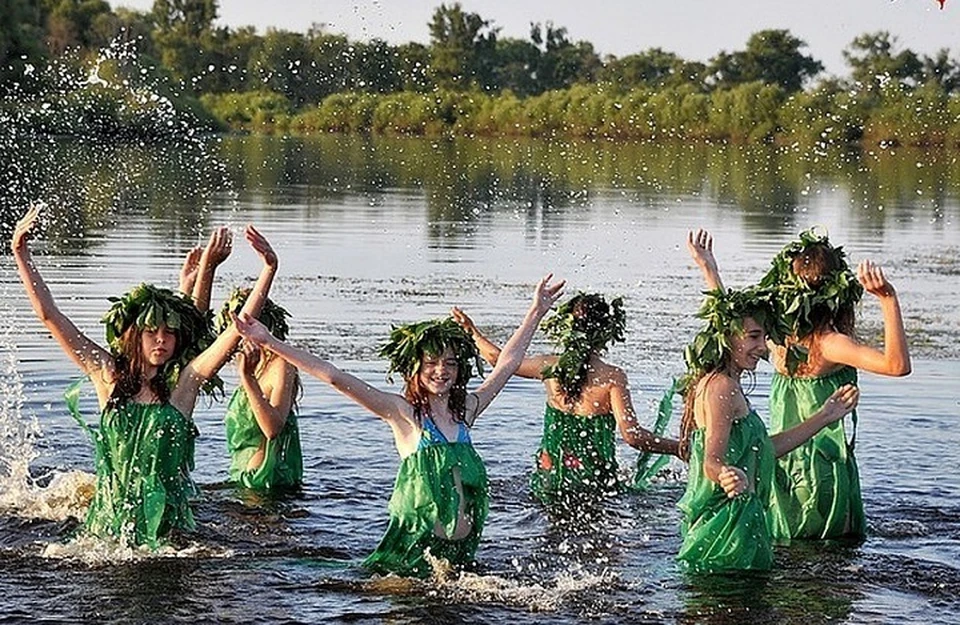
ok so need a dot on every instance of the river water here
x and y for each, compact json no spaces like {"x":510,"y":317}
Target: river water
{"x":372,"y":232}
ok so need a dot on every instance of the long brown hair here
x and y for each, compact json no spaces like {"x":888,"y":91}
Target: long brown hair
{"x":814,"y":265}
{"x":130,"y":365}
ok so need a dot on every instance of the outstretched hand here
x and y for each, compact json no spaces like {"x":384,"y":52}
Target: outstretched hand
{"x":841,"y":403}
{"x":25,"y":228}
{"x":219,"y":246}
{"x":261,"y":246}
{"x":546,"y":294}
{"x":251,"y":329}
{"x":463,"y":321}
{"x":700,"y":246}
{"x":873,"y":281}
{"x":733,"y":481}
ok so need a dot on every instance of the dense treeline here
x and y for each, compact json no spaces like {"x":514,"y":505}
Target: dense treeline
{"x":470,"y":80}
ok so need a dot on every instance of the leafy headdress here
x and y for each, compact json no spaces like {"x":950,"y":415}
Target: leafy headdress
{"x":148,"y":307}
{"x":582,"y":325}
{"x":799,"y":304}
{"x":724,"y":312}
{"x":408,"y":343}
{"x":273,"y":316}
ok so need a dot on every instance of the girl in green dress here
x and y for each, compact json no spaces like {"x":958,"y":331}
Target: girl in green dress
{"x":588,"y":400}
{"x":817,"y":488}
{"x":263,"y":436}
{"x":439,"y":501}
{"x":731,"y":458}
{"x":147,"y":385}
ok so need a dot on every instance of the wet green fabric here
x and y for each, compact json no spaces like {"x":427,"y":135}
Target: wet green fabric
{"x":425,"y":495}
{"x":577,"y":456}
{"x":649,"y":463}
{"x":144,"y":455}
{"x":817,"y":485}
{"x":282,"y":465}
{"x":722,"y":534}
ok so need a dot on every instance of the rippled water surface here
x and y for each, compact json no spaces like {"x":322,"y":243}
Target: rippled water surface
{"x":375,"y":232}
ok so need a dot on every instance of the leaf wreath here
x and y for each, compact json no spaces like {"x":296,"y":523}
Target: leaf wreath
{"x":797,"y":303}
{"x":147,"y":306}
{"x":577,"y":338}
{"x":408,"y":343}
{"x":273,"y":316}
{"x":724,"y":312}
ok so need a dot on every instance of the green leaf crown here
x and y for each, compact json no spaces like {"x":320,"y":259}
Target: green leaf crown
{"x":577,"y":335}
{"x":798,"y":303}
{"x":273,"y":316}
{"x":724,"y":312}
{"x":408,"y":343}
{"x":148,"y":307}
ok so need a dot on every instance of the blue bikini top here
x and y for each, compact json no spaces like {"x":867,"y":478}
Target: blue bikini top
{"x":431,"y":434}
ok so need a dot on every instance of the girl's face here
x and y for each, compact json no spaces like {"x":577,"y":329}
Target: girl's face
{"x":158,"y":345}
{"x":749,"y":346}
{"x":438,"y":373}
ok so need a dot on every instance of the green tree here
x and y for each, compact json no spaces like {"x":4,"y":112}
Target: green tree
{"x":873,"y":61}
{"x":463,"y":48}
{"x":772,"y":57}
{"x":943,"y":70}
{"x":654,"y":67}
{"x":516,"y":66}
{"x":183,"y":34}
{"x":563,"y":63}
{"x":20,"y":39}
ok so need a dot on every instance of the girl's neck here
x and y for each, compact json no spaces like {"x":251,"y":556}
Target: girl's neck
{"x":438,"y":406}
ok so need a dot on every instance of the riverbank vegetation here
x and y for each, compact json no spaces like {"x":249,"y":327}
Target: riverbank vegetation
{"x":467,"y":81}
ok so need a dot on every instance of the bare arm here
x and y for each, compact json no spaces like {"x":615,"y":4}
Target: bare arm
{"x":210,"y":360}
{"x":511,"y":356}
{"x":700,"y":246}
{"x":388,"y":406}
{"x":841,"y":403}
{"x":723,"y":404}
{"x":630,"y":429}
{"x":217,"y":250}
{"x":188,"y":272}
{"x":531,"y":367}
{"x":271,"y":410}
{"x":90,"y":357}
{"x":894,"y":358}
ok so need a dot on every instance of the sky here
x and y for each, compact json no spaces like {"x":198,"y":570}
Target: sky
{"x":694,"y":29}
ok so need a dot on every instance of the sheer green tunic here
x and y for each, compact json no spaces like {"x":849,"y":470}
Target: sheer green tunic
{"x":719,"y":533}
{"x":577,"y":456}
{"x":425,"y":495}
{"x":282,"y":464}
{"x":144,"y":455}
{"x":817,"y":485}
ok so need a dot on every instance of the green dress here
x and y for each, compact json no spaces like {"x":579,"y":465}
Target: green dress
{"x":425,"y":495}
{"x":817,"y":485}
{"x":577,"y":456}
{"x":282,"y":464}
{"x":144,"y":455}
{"x":723,"y":534}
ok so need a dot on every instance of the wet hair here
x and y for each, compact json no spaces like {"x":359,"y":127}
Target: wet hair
{"x":417,"y":395}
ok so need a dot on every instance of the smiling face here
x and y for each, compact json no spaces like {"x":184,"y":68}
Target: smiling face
{"x":438,"y":372}
{"x":749,"y":346}
{"x":158,"y":345}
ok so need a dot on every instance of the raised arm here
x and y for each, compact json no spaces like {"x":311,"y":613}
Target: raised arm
{"x":272,"y":397}
{"x":630,"y":429}
{"x":188,"y":271}
{"x":210,"y":360}
{"x":90,"y":357}
{"x":217,"y":250}
{"x":531,"y":367}
{"x":388,"y":406}
{"x":700,"y":246}
{"x":511,"y":356}
{"x":838,"y":405}
{"x":894,"y":358}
